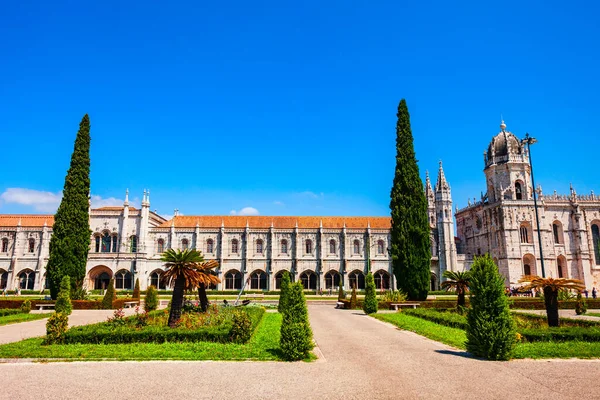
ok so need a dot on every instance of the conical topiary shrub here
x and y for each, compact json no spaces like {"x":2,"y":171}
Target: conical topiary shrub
{"x":490,"y":330}
{"x":284,"y":291}
{"x":151,"y":299}
{"x":136,"y":289}
{"x":296,"y":334}
{"x":370,"y":303}
{"x":63,"y":301}
{"x":109,"y":296}
{"x":353,"y":298}
{"x":341,"y":294}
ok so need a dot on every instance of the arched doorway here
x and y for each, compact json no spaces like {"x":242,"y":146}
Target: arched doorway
{"x":258,"y":280}
{"x":309,"y":280}
{"x":123,"y":280}
{"x":433,"y":282}
{"x":156,"y":279}
{"x":99,"y":277}
{"x":26,"y":279}
{"x":332,"y":280}
{"x":382,"y":280}
{"x":278,"y":277}
{"x":561,"y":266}
{"x":3,"y":279}
{"x":529,"y":265}
{"x":357,"y":280}
{"x":233,"y":280}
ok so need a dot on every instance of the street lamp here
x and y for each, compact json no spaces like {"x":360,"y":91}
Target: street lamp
{"x":528,"y":140}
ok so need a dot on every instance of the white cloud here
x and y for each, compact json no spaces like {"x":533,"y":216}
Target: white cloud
{"x":40,"y":201}
{"x":245,"y":211}
{"x":278,"y":203}
{"x":48,"y":201}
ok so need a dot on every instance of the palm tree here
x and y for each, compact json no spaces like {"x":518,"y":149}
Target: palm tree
{"x":459,"y":281}
{"x":207,"y":278}
{"x":551,"y":287}
{"x":182,"y":268}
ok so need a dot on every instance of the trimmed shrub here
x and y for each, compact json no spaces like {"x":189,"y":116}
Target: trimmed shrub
{"x":110,"y":296}
{"x":491,"y":330}
{"x":561,"y":334}
{"x":580,"y":305}
{"x":63,"y":301}
{"x":296,"y":334}
{"x":56,"y":328}
{"x":284,"y":293}
{"x":370,"y":302}
{"x":341,"y":294}
{"x":10,"y":311}
{"x":151,"y":299}
{"x":353,"y":299}
{"x":136,"y":289}
{"x":26,"y":307}
{"x":241,"y":329}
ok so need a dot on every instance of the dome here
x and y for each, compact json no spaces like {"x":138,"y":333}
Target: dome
{"x":503,"y":144}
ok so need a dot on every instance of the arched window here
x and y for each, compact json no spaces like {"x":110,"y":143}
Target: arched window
{"x":210,"y":246}
{"x":5,"y":245}
{"x":3,"y":279}
{"x":259,"y":246}
{"x":596,"y":242}
{"x":106,"y":241}
{"x":357,"y":279}
{"x":97,"y":240}
{"x":133,"y":244}
{"x":332,"y":246}
{"x":382,"y":280}
{"x":356,"y":247}
{"x":518,"y":191}
{"x":380,"y":247}
{"x":278,"y":277}
{"x":557,"y":232}
{"x":308,"y":245}
{"x":123,"y":280}
{"x":258,"y":280}
{"x":115,"y":243}
{"x":284,"y":246}
{"x":185,"y":244}
{"x":234,"y":246}
{"x":31,"y":247}
{"x":160,"y":246}
{"x":332,"y":280}
{"x":433,"y":282}
{"x":26,"y":279}
{"x":561,"y":265}
{"x":233,"y":280}
{"x":524,"y":231}
{"x":309,"y":280}
{"x":156,"y":280}
{"x":529,"y":265}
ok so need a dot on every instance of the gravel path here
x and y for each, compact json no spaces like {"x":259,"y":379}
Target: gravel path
{"x":362,"y":359}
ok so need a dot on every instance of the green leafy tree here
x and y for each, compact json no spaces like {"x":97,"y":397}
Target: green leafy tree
{"x":70,"y":241}
{"x":110,"y":296}
{"x":63,"y":302}
{"x":151,"y":299}
{"x":491,"y":330}
{"x":410,"y":246}
{"x":136,"y":289}
{"x":459,"y":282}
{"x":353,"y":299}
{"x":182,"y":268}
{"x":284,"y":291}
{"x":296,"y":334}
{"x":370,"y":303}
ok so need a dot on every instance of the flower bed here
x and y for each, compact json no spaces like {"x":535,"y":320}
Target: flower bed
{"x":213,"y":326}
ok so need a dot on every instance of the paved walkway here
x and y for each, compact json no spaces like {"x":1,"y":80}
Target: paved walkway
{"x":25,"y":330}
{"x":566,"y":314}
{"x":363,"y":359}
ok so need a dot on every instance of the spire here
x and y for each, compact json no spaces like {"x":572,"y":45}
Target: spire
{"x":126,"y":202}
{"x":428,"y":188}
{"x":502,"y":126}
{"x":222,"y":223}
{"x":197,"y":223}
{"x":148,"y":198}
{"x":441,"y":184}
{"x":321,"y":224}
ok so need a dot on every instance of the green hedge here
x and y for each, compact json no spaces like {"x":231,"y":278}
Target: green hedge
{"x":572,"y":322}
{"x":9,"y":311}
{"x":77,"y":304}
{"x":450,"y":319}
{"x":104,"y":333}
{"x":567,"y":334}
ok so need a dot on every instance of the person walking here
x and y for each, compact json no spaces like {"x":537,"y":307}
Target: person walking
{"x":594,"y":293}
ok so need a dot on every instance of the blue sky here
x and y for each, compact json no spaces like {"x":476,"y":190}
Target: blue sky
{"x":288,"y":108}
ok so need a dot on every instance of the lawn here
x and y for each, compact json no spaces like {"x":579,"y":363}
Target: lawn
{"x":457,"y":337}
{"x":263,"y":346}
{"x":593,"y":314}
{"x":15,"y":318}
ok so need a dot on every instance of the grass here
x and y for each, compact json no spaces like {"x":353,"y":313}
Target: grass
{"x":263,"y":346}
{"x":456,"y":338}
{"x":593,"y":314}
{"x":16,"y":318}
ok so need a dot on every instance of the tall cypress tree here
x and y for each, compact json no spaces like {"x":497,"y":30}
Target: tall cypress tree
{"x":70,"y":240}
{"x":410,"y":246}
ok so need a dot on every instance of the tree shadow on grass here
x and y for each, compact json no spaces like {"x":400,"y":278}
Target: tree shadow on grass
{"x":458,"y":353}
{"x":276,"y":352}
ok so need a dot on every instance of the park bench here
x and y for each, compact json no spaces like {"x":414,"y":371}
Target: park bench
{"x":339,"y":304}
{"x":130,"y":304}
{"x":43,"y":306}
{"x":396,"y":306}
{"x":164,"y":302}
{"x":255,"y":296}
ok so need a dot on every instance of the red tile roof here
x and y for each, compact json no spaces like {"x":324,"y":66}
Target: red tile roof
{"x":214,"y":221}
{"x":27,"y":220}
